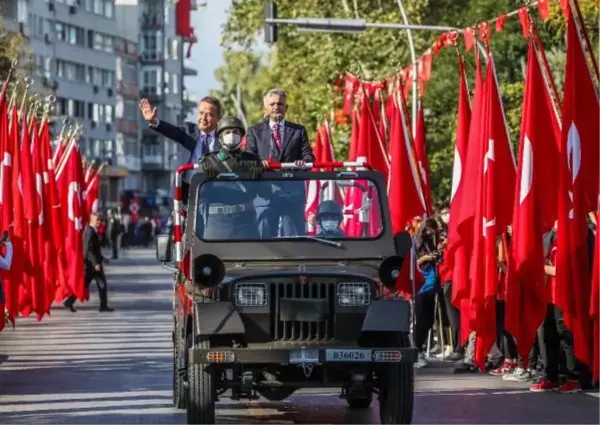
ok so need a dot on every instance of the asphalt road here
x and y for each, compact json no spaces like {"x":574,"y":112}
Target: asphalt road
{"x":113,"y":368}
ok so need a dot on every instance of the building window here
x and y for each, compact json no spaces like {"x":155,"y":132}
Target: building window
{"x":60,"y":31}
{"x":175,"y":83}
{"x":108,"y":79}
{"x":109,"y":8}
{"x":97,"y":77}
{"x":98,"y":41}
{"x":151,"y":81}
{"x":167,"y":48}
{"x":175,"y":50}
{"x":108,"y":44}
{"x":89,"y":5}
{"x":108,"y":114}
{"x":166,"y":79}
{"x":89,"y":74}
{"x":130,"y":110}
{"x":119,"y":106}
{"x":98,"y":6}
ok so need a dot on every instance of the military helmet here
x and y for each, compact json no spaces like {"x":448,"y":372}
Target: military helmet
{"x":230,"y":122}
{"x":330,"y":208}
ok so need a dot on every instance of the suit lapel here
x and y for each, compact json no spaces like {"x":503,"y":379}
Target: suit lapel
{"x":265,"y":138}
{"x":287,"y":136}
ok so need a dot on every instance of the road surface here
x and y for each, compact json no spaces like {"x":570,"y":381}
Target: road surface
{"x":90,"y":368}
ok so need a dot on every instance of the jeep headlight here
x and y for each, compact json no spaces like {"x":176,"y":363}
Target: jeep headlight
{"x":354,"y":294}
{"x":251,"y":295}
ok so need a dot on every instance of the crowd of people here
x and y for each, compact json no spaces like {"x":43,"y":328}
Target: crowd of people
{"x":551,"y":365}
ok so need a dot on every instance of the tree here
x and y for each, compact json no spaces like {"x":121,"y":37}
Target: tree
{"x":306,"y":64}
{"x":13,"y":47}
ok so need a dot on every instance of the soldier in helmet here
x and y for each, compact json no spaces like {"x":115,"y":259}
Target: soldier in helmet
{"x":226,"y":208}
{"x":329,"y":218}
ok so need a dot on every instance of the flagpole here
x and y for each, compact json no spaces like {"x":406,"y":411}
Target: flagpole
{"x":48,"y":106}
{"x":13,"y":96}
{"x":28,"y":83}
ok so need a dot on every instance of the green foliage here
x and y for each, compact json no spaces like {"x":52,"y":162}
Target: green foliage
{"x":12,"y":47}
{"x":306,"y":64}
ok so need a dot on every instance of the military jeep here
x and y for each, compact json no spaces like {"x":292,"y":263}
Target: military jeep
{"x":291,"y":309}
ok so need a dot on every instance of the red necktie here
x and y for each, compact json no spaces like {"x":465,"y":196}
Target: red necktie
{"x":277,"y":137}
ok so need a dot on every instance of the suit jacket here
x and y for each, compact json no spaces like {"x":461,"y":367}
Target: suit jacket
{"x":295,"y":144}
{"x":186,"y":136}
{"x":92,"y":254}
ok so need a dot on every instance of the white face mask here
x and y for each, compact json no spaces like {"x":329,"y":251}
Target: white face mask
{"x":329,"y":225}
{"x":231,"y":140}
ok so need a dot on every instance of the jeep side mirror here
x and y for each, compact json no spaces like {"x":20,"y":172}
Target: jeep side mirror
{"x":163,"y":248}
{"x":403,"y":243}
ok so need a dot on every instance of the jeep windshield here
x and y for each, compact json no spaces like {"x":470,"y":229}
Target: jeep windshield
{"x":326,"y":211}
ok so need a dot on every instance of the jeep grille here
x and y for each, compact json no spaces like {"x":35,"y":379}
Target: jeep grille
{"x":300,"y":330}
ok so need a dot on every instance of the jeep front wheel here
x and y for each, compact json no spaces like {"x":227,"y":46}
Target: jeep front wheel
{"x":178,"y":365}
{"x":396,"y":394}
{"x":360,"y":402}
{"x":201,"y":391}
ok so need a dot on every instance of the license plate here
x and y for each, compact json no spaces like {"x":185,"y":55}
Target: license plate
{"x":348,"y":355}
{"x":303,"y":355}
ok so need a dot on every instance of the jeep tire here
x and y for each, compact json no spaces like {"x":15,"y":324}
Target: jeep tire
{"x":201,"y":392}
{"x":179,"y":398}
{"x":360,"y":402}
{"x":397,"y":390}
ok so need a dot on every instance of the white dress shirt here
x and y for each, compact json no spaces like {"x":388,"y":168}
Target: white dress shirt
{"x":281,"y":123}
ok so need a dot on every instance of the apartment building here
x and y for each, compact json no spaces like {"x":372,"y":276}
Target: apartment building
{"x":162,"y":68}
{"x":99,"y":57}
{"x":73,"y":46}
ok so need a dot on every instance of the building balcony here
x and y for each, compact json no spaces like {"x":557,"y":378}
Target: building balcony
{"x":190,"y":100}
{"x":129,"y":90}
{"x":129,"y":127}
{"x":129,"y":162}
{"x":151,"y":57}
{"x":153,"y":94}
{"x":151,"y":20}
{"x":152,"y":162}
{"x":188,"y":70}
{"x":197,"y":4}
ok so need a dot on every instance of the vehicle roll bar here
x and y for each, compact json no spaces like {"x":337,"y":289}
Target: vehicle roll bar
{"x":309,"y":165}
{"x":178,"y":211}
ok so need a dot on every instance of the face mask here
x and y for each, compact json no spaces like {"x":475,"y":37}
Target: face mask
{"x":231,"y":140}
{"x":329,"y":225}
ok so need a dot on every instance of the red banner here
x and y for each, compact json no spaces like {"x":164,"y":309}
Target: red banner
{"x":183,"y":16}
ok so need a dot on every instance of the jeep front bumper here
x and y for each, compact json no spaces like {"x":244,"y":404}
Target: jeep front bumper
{"x":304,"y":355}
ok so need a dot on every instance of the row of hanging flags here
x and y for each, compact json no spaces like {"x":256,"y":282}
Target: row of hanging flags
{"x":46,"y":198}
{"x":557,"y":179}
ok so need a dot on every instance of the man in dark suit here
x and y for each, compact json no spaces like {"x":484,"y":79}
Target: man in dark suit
{"x":278,"y":140}
{"x":199,"y":139}
{"x":93,"y":264}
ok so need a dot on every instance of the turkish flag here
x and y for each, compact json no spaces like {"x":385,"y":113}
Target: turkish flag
{"x":463,"y":213}
{"x":32,"y":210}
{"x":183,"y":11}
{"x":422,"y":160}
{"x":72,"y":198}
{"x":594,"y":308}
{"x":534,"y":209}
{"x":46,"y":250}
{"x":14,"y":284}
{"x":577,"y":193}
{"x":493,"y":213}
{"x":92,"y":194}
{"x":455,"y":257}
{"x":53,"y":217}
